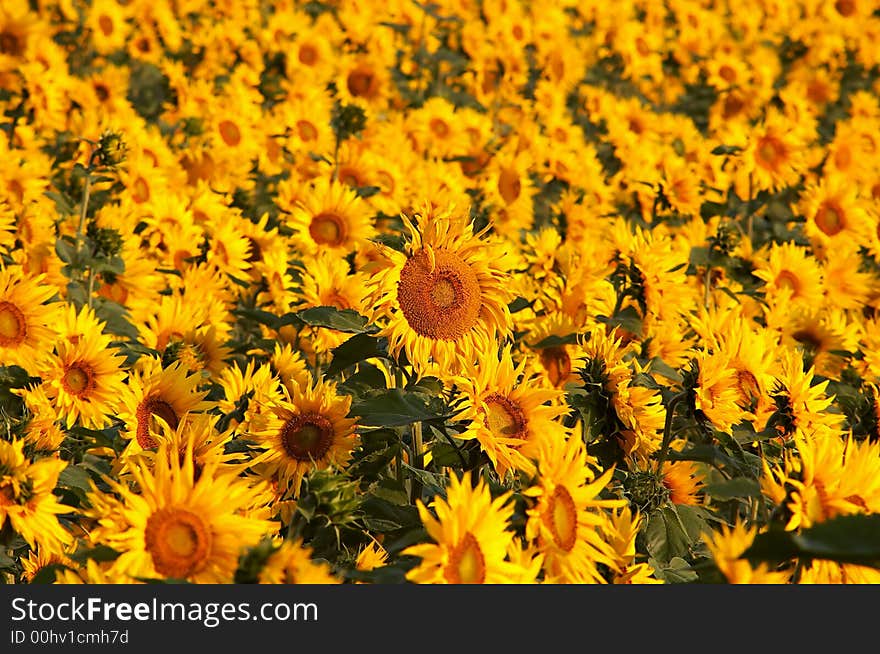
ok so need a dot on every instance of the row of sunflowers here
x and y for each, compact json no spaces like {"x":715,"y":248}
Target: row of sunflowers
{"x":462,"y":291}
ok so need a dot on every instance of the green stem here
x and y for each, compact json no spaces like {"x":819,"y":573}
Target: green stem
{"x":667,"y":430}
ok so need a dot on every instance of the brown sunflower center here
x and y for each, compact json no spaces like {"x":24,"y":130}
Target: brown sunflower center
{"x":843,"y":157}
{"x":178,"y":541}
{"x":361,"y":83}
{"x":770,"y":152}
{"x":306,"y":130}
{"x":11,"y":44}
{"x":557,"y":363}
{"x":509,"y":185}
{"x":467,"y":565}
{"x":439,"y":128}
{"x":845,"y":7}
{"x":504,"y":417}
{"x":78,"y":379}
{"x":229,"y":132}
{"x":149,"y":407}
{"x":105,"y":23}
{"x":140,"y":190}
{"x":307,"y":437}
{"x":733,"y":105}
{"x":787,"y":279}
{"x":307,"y":55}
{"x":830,"y":218}
{"x":328,"y":228}
{"x":562,"y":518}
{"x":443,"y":303}
{"x":727,"y":73}
{"x":13,"y":326}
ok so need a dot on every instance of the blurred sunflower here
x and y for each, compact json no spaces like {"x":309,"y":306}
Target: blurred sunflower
{"x":25,"y":318}
{"x":292,"y":563}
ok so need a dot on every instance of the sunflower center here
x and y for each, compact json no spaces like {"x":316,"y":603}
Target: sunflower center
{"x":727,"y":73}
{"x":149,"y":407}
{"x":78,"y":379}
{"x":845,"y":7}
{"x":733,"y":105}
{"x":443,"y":303}
{"x":307,"y":437}
{"x":557,"y":363}
{"x":178,"y":541}
{"x":140,"y":190}
{"x":307,"y":55}
{"x":770,"y":152}
{"x":843,"y":157}
{"x":467,"y":565}
{"x":509,"y":185}
{"x":361,"y":83}
{"x":504,"y":417}
{"x":328,"y":228}
{"x":229,"y":132}
{"x":830,"y":219}
{"x":787,"y":279}
{"x":13,"y":327}
{"x":439,"y":128}
{"x":11,"y":44}
{"x":562,"y":517}
{"x":307,"y":131}
{"x":106,"y":24}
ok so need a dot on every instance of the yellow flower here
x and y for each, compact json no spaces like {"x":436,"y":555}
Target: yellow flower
{"x":443,"y":295}
{"x":507,"y":412}
{"x":308,"y":430}
{"x":470,"y":534}
{"x":567,"y":523}
{"x":330,"y":217}
{"x":27,"y":503}
{"x":727,"y":546}
{"x":292,"y":563}
{"x":154,"y":393}
{"x":177,"y":527}
{"x":25,"y":318}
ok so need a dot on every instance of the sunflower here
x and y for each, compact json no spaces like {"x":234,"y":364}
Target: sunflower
{"x":330,"y":216}
{"x":443,"y":296}
{"x":801,"y":405}
{"x":509,"y":190}
{"x":625,"y":528}
{"x":84,"y":380}
{"x":567,"y":522}
{"x":819,"y":571}
{"x":155,"y":393}
{"x":470,"y":534}
{"x":638,"y":409}
{"x":108,"y":23}
{"x":307,"y":430}
{"x":684,"y":482}
{"x":178,"y":527}
{"x":292,"y":563}
{"x":774,"y":154}
{"x":833,"y":476}
{"x":27,"y":503}
{"x":790,"y":275}
{"x":43,"y":430}
{"x":372,"y":556}
{"x":507,"y":411}
{"x":326,"y":280}
{"x":717,"y":391}
{"x":39,"y":559}
{"x":727,"y":546}
{"x":835,"y":216}
{"x":248,"y":393}
{"x":25,"y":318}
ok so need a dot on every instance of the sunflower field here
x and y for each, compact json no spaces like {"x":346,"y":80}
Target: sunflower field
{"x":454,"y":291}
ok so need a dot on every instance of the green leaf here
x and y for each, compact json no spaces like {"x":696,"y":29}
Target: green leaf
{"x":659,"y":366}
{"x":99,"y":554}
{"x":678,"y":571}
{"x":46,"y":575}
{"x":845,"y":539}
{"x":519,"y":304}
{"x":699,"y":256}
{"x":395,"y":408}
{"x":627,"y":318}
{"x":737,"y":488}
{"x":672,"y":530}
{"x":555,"y":341}
{"x":356,"y":349}
{"x":74,"y":476}
{"x":343,"y":320}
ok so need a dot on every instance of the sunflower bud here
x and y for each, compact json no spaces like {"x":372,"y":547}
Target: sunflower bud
{"x":111,"y":149}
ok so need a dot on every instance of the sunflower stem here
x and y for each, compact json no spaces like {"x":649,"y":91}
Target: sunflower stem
{"x":417,"y":448}
{"x":708,"y":284}
{"x":667,"y":430}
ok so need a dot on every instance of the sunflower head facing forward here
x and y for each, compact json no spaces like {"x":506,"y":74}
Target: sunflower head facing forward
{"x":442,"y":294}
